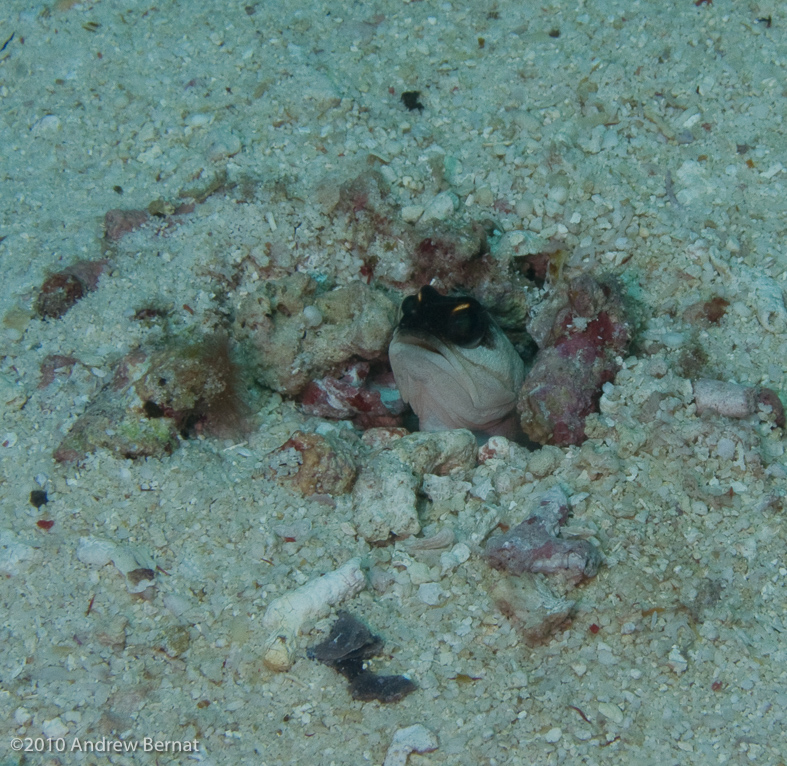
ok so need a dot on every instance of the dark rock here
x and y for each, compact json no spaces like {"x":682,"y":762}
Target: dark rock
{"x":38,"y":498}
{"x":348,"y":645}
{"x":369,"y":686}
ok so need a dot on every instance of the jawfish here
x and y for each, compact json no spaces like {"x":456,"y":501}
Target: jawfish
{"x":455,"y":366}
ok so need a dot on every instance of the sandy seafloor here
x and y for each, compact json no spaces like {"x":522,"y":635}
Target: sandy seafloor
{"x":648,"y":137}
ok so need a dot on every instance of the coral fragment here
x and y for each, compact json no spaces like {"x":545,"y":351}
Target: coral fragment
{"x":533,"y":546}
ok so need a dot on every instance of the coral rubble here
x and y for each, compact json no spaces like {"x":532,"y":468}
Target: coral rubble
{"x":533,"y":546}
{"x":581,"y":331}
{"x":297,"y":334}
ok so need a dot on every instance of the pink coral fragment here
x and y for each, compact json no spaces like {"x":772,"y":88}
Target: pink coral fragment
{"x":533,"y":545}
{"x":735,"y":401}
{"x":581,"y":331}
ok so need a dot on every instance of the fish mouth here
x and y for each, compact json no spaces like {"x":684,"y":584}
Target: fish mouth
{"x":427,"y":341}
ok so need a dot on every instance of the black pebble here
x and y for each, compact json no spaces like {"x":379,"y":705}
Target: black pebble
{"x":369,"y":686}
{"x":348,"y":644}
{"x":411,"y":101}
{"x":347,"y":637}
{"x":152,"y":410}
{"x":38,"y":498}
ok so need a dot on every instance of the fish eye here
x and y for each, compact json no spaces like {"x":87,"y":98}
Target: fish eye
{"x":464,"y":324}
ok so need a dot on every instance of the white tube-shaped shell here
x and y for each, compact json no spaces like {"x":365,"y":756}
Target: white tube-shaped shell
{"x":287,"y":614}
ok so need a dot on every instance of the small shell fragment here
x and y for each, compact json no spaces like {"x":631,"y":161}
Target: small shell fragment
{"x":442,"y":539}
{"x":15,"y":555}
{"x":95,"y":552}
{"x":770,"y":308}
{"x":413,"y":739}
{"x":134,"y":564}
{"x":312,"y":316}
{"x":676,"y":662}
{"x":611,"y":711}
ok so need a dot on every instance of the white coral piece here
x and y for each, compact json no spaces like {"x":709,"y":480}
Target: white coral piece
{"x":286,"y":616}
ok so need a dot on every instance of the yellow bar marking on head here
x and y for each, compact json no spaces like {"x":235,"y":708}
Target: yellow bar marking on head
{"x":460,"y":307}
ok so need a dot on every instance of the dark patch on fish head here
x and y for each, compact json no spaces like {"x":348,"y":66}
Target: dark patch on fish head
{"x":457,"y":320}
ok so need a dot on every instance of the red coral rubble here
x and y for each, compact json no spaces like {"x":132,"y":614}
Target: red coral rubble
{"x":118,"y":223}
{"x":354,"y":394}
{"x":584,"y":333}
